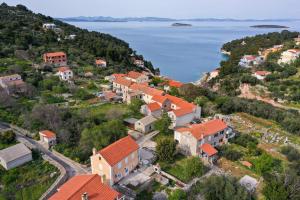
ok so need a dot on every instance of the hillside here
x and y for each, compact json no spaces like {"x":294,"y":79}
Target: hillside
{"x":22,"y":29}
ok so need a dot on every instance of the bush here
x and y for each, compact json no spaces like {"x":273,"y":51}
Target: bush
{"x":291,"y":153}
{"x":244,"y":140}
{"x":177,"y":195}
{"x":229,"y":153}
{"x":8,"y":137}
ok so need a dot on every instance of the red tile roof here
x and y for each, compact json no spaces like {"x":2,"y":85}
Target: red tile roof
{"x":119,"y":150}
{"x":159,"y":98}
{"x":205,"y":129}
{"x":246,"y":163}
{"x":208,"y":149}
{"x":182,"y":111}
{"x":153,"y":106}
{"x":262,"y":73}
{"x":64,"y":69}
{"x":109,"y":95}
{"x":91,"y":184}
{"x":123,"y":81}
{"x":55,"y":54}
{"x":48,"y":134}
{"x":134,"y":75}
{"x":176,"y":84}
{"x":118,"y":75}
{"x":100,"y":62}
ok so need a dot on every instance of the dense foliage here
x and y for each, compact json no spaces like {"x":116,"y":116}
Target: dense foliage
{"x":166,"y":149}
{"x":220,"y":188}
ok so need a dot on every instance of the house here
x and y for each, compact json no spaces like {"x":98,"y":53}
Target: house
{"x":70,"y":37}
{"x":121,"y":85}
{"x":116,"y":160}
{"x":145,"y":125}
{"x":48,"y":138}
{"x":182,"y":112}
{"x":261,"y":75}
{"x":15,"y":156}
{"x":49,"y":26}
{"x":130,"y":122}
{"x":248,"y":61}
{"x":113,"y":77}
{"x":55,"y":58}
{"x":12,"y":83}
{"x":172,"y":83}
{"x":289,"y":56}
{"x":111,"y":96}
{"x":249,"y":183}
{"x":138,"y":62}
{"x":86,"y":187}
{"x":153,"y":109}
{"x":264,"y":53}
{"x":100,"y":63}
{"x":201,"y":139}
{"x":137,"y":77}
{"x":65,"y":73}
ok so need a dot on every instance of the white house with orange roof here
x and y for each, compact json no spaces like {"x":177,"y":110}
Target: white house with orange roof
{"x":261,"y":75}
{"x":201,"y":139}
{"x":65,"y":73}
{"x":100,"y":63}
{"x":115,"y":161}
{"x":153,"y":109}
{"x":137,"y":77}
{"x":289,"y":56}
{"x":121,"y":85}
{"x":250,"y":61}
{"x":48,"y":138}
{"x":86,"y":187}
{"x":172,"y":83}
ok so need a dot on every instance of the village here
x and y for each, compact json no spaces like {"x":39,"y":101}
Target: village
{"x":169,"y":145}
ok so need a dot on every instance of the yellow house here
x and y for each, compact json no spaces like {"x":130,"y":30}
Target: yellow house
{"x":115,"y":161}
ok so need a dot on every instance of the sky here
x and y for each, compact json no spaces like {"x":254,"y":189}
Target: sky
{"x":239,"y":9}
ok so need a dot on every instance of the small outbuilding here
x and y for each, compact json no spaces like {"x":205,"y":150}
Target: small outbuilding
{"x":249,"y":183}
{"x":130,"y":122}
{"x":15,"y":156}
{"x":145,"y":125}
{"x":48,"y":138}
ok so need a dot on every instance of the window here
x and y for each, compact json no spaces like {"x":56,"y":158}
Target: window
{"x":126,"y":170}
{"x":119,"y":165}
{"x":216,"y":135}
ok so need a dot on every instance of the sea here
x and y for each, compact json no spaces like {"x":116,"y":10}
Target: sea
{"x":182,"y":53}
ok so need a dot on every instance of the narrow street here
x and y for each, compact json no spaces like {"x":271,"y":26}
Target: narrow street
{"x":72,"y":168}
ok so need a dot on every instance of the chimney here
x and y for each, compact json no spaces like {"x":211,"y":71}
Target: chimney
{"x":84,"y":196}
{"x":94,"y":151}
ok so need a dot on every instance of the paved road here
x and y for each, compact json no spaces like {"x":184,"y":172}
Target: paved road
{"x":71,"y":168}
{"x":146,"y":138}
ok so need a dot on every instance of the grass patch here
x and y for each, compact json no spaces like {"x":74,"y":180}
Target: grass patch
{"x":185,"y":168}
{"x":29,"y":181}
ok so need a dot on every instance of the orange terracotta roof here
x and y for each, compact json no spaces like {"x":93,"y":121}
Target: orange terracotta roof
{"x":119,"y":150}
{"x":208,"y":149}
{"x":153,"y":91}
{"x":182,"y":111}
{"x":118,"y":75}
{"x":262,"y":73}
{"x":134,"y":75}
{"x":159,"y":98}
{"x":48,"y":134}
{"x":64,"y":69}
{"x":123,"y":81}
{"x":90,"y":184}
{"x":205,"y":129}
{"x":109,"y":95}
{"x":176,"y":84}
{"x":153,"y":106}
{"x":100,"y":62}
{"x":246,"y":163}
{"x":55,"y":54}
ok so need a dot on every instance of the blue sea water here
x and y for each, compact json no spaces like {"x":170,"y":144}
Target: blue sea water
{"x":181,"y":53}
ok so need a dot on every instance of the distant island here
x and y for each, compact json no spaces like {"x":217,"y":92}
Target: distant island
{"x":181,"y":24}
{"x":269,"y":26}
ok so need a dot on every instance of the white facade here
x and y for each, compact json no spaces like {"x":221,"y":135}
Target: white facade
{"x":65,"y":75}
{"x":287,"y":57}
{"x":49,"y":26}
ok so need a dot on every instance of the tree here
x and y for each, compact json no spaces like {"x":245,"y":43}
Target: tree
{"x":8,"y":137}
{"x":177,"y":195}
{"x":166,"y":149}
{"x":222,"y":188}
{"x":135,"y":105}
{"x":162,"y":125}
